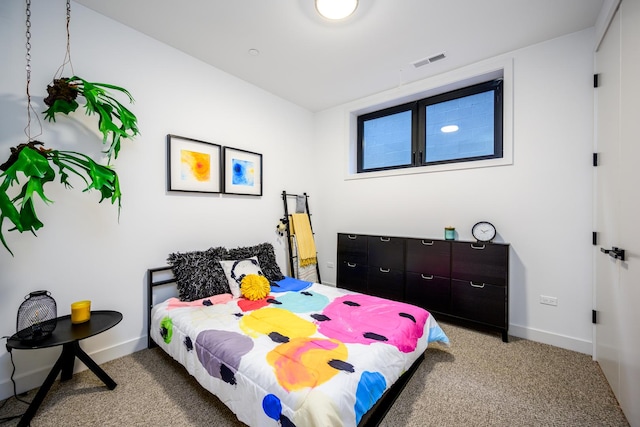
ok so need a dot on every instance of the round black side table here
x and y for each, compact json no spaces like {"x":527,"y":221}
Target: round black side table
{"x":68,"y":335}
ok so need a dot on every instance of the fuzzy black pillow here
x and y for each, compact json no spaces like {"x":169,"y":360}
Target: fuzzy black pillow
{"x":266,"y":259}
{"x":199,"y":274}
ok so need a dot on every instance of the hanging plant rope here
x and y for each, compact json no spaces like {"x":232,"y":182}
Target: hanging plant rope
{"x":67,"y":54}
{"x":35,"y":164}
{"x":27,"y":129}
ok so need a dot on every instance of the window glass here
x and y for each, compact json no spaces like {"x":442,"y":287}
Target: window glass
{"x":386,"y":141}
{"x":460,"y":128}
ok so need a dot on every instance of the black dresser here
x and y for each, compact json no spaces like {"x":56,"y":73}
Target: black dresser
{"x":458,"y":280}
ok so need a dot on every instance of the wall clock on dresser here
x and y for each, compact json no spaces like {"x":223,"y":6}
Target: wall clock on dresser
{"x":457,"y":280}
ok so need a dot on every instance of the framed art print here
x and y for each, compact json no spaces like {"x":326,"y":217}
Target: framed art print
{"x":242,"y":172}
{"x":193,"y":165}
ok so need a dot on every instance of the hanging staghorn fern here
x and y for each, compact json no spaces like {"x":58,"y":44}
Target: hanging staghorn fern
{"x":114,"y":118}
{"x":36,"y":165}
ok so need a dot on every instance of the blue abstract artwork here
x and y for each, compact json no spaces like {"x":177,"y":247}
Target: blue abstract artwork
{"x":243,"y":172}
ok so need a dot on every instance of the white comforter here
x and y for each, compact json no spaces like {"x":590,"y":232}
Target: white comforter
{"x":312,"y":356}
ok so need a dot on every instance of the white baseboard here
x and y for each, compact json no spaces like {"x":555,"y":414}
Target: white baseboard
{"x":562,"y":341}
{"x":34,"y":378}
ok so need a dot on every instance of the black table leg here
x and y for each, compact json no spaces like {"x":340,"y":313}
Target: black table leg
{"x":100,"y":373}
{"x":64,"y":365}
{"x":42,"y":392}
{"x":68,"y":357}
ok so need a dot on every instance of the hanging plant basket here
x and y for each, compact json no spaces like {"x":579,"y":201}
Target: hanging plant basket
{"x":115,"y":121}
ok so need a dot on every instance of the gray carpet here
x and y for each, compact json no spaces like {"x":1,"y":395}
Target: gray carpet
{"x":477,"y":381}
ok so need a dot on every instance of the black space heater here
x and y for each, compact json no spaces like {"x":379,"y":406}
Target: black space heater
{"x":37,"y":317}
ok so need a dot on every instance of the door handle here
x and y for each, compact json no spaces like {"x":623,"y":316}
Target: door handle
{"x":614,"y":252}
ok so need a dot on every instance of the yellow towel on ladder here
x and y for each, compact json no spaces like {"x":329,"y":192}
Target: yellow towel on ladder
{"x":306,"y":246}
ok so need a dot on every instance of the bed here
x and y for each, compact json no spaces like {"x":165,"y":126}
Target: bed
{"x":306,"y":354}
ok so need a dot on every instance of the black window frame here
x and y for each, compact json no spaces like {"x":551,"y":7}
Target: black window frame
{"x":418,"y":126}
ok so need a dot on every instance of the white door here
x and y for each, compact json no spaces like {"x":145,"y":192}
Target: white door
{"x":607,"y":292}
{"x":617,"y":287}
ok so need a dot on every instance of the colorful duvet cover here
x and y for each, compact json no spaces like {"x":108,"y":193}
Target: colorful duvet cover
{"x":312,"y":355}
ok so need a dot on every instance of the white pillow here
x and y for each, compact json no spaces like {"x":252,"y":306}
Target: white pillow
{"x":235,"y":270}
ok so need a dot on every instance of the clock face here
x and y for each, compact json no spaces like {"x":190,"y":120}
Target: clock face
{"x":484,"y":231}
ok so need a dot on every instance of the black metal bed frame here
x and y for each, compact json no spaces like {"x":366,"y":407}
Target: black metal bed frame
{"x":371,"y":419}
{"x":152,"y":283}
{"x":285,"y":221}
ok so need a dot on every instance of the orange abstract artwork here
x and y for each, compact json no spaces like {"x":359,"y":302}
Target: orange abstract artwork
{"x":195,"y":166}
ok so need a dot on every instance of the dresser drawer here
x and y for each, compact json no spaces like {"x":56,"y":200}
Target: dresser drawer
{"x":430,"y":292}
{"x":352,"y":276}
{"x":352,"y":248}
{"x":478,"y":262}
{"x":386,"y":283}
{"x":386,"y":252}
{"x":480,"y":302}
{"x":428,"y":257}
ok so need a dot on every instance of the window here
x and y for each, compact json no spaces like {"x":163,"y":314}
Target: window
{"x":458,"y":126}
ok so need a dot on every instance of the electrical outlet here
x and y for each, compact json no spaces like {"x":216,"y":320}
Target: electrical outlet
{"x":548,"y":300}
{"x":329,"y":264}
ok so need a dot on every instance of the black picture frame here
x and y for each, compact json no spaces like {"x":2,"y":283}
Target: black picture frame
{"x":193,"y":165}
{"x":242,"y":172}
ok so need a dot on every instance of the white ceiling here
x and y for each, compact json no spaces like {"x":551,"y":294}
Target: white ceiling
{"x":319,"y":64}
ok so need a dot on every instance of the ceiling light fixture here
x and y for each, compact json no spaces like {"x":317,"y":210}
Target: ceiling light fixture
{"x":336,"y":9}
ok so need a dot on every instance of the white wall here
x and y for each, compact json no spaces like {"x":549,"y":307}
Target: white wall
{"x":82,"y":252}
{"x":541,"y":204}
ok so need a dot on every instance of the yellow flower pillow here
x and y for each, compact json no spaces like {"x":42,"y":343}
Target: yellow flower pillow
{"x":254,"y":287}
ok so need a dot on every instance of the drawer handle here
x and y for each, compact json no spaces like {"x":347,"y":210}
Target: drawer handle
{"x":478,"y":248}
{"x":477,"y":286}
{"x":352,"y":236}
{"x":424,"y":242}
{"x":351,"y":265}
{"x":384,"y":270}
{"x":427,"y":277}
{"x":385,"y":239}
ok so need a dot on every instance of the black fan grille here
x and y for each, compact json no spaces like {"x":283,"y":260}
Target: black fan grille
{"x":37,"y":316}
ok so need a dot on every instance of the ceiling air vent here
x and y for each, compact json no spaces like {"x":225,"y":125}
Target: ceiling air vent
{"x":429,"y":60}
